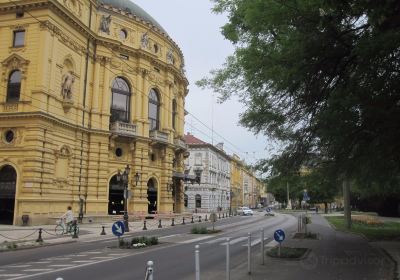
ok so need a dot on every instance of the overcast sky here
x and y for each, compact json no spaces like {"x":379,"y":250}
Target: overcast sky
{"x":192,"y":25}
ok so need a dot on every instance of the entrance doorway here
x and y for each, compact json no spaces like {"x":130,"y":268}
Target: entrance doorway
{"x":8,"y":182}
{"x":115,"y":197}
{"x":151,"y":197}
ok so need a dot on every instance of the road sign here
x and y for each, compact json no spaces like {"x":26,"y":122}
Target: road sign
{"x":279,"y":235}
{"x":305,"y":196}
{"x":118,"y":228}
{"x":268,"y":209}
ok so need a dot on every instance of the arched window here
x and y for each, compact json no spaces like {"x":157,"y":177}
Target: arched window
{"x":154,"y":110}
{"x":198,"y":200}
{"x":14,"y":86}
{"x":121,"y":99}
{"x":174,"y":113}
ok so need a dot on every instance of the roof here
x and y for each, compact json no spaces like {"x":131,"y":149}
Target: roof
{"x":134,"y":9}
{"x":190,"y":140}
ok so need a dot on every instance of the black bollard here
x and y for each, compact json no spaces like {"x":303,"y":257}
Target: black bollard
{"x":223,"y":215}
{"x":40,"y":239}
{"x":199,"y":219}
{"x":219,"y":215}
{"x":173,"y":222}
{"x":75,"y":231}
{"x":206,"y":219}
{"x":159,"y":223}
{"x":192,"y":220}
{"x":103,"y":232}
{"x":144,"y":225}
{"x":183,"y":220}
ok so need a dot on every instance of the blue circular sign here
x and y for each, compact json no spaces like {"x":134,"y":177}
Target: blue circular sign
{"x":268,"y":209}
{"x":118,"y":228}
{"x":279,"y":235}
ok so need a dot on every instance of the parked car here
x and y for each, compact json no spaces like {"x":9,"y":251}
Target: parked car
{"x":245,"y":211}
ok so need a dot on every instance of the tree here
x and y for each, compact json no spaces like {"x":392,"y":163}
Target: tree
{"x":322,"y":77}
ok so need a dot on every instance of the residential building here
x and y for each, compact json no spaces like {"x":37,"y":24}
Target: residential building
{"x":212,"y":165}
{"x":87,"y":88}
{"x":236,"y":182}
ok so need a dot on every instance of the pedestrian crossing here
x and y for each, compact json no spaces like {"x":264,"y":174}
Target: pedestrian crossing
{"x":241,"y":239}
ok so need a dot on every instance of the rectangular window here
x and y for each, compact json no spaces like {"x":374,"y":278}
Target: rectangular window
{"x":19,"y":38}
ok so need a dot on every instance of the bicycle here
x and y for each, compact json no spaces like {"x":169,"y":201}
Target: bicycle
{"x":62,"y":228}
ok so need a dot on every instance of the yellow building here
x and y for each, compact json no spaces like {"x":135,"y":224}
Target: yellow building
{"x":87,"y":88}
{"x":236,"y":182}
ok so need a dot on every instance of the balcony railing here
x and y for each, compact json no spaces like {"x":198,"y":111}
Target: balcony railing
{"x":159,"y":136}
{"x":123,"y":129}
{"x":180,"y":143}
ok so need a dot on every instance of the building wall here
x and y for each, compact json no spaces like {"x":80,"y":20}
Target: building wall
{"x":64,"y":148}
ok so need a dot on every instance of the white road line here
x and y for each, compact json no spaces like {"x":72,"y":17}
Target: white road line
{"x":167,"y":236}
{"x":118,"y":255}
{"x":58,"y":259}
{"x":234,"y":241}
{"x":85,"y":261}
{"x":195,"y":240}
{"x":80,"y":255}
{"x":11,"y":275}
{"x":40,"y":262}
{"x":19,"y":265}
{"x":99,"y":258}
{"x":215,"y":241}
{"x":60,"y":265}
{"x":272,"y":243}
{"x":93,"y":252}
{"x":37,"y":269}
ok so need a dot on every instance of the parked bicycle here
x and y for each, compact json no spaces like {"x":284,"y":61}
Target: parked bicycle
{"x":63,"y":228}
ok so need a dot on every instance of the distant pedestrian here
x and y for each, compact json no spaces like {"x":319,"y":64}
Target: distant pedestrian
{"x":68,"y":217}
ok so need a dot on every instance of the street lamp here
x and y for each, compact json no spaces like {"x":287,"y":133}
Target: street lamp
{"x":124,"y":179}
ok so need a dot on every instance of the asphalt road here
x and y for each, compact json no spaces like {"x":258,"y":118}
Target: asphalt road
{"x":173,"y":258}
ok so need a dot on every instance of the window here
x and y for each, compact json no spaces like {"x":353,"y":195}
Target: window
{"x":121,"y":99}
{"x":19,"y":38}
{"x":174,"y":113}
{"x":198,"y":159}
{"x":154,"y":110}
{"x":14,"y":86}
{"x":123,"y":34}
{"x":198,"y":201}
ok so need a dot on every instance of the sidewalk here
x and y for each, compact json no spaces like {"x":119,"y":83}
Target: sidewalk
{"x":336,"y":256}
{"x":87,"y":231}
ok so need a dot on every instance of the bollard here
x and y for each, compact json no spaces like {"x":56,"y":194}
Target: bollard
{"x":159,"y":223}
{"x":40,"y":239}
{"x":219,"y":215}
{"x":197,"y":261}
{"x":183,"y":220}
{"x":223,"y":215}
{"x":262,"y":247}
{"x":206,"y":218}
{"x":199,"y":219}
{"x":75,"y":235}
{"x":149,"y":270}
{"x":249,"y":253}
{"x":228,"y":269}
{"x":144,"y":225}
{"x":173,"y":222}
{"x":192,"y":220}
{"x":103,"y":232}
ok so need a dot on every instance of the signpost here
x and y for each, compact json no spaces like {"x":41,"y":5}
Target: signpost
{"x":118,"y":229}
{"x":279,"y":236}
{"x":213,"y":218}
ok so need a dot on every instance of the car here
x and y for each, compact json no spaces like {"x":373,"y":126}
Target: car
{"x":245,"y":211}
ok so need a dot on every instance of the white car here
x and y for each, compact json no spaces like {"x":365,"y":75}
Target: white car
{"x":245,"y":211}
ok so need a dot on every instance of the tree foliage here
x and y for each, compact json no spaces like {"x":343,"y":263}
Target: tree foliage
{"x":322,"y":77}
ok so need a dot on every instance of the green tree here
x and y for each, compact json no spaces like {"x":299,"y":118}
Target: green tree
{"x":321,"y":77}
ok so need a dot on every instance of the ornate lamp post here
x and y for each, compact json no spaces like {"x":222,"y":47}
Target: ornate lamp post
{"x":124,"y":179}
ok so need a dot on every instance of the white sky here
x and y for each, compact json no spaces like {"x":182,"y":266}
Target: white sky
{"x":192,"y":25}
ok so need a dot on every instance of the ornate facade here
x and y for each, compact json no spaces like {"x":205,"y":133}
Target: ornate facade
{"x":87,"y":88}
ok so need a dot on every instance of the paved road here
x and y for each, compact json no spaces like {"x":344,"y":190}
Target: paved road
{"x":173,"y":258}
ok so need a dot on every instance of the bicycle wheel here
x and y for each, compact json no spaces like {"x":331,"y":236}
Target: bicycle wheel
{"x":59,"y":229}
{"x":71,"y":231}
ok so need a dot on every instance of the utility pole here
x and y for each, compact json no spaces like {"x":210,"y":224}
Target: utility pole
{"x":346,"y":201}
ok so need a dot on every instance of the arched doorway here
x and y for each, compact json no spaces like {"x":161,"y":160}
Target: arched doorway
{"x":152,"y":196}
{"x":115,"y":197}
{"x":8,"y":182}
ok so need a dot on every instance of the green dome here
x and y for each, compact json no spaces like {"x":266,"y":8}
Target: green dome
{"x":129,"y":6}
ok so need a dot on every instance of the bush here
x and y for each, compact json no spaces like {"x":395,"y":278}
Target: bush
{"x":144,"y":240}
{"x":199,"y":230}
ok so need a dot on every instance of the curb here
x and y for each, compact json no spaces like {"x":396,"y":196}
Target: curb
{"x":36,"y":247}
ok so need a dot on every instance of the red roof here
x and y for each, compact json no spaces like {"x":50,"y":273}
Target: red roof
{"x":190,"y":139}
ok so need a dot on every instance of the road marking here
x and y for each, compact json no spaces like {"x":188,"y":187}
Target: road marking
{"x":117,"y":255}
{"x":11,"y":275}
{"x":85,"y":261}
{"x":93,"y":252}
{"x":167,"y":236}
{"x":37,"y":269}
{"x":234,"y":241}
{"x":255,"y":242}
{"x":41,"y":262}
{"x":215,"y":240}
{"x":195,"y":240}
{"x":80,"y":255}
{"x":60,"y":265}
{"x":99,"y":258}
{"x":58,"y":259}
{"x":19,"y":265}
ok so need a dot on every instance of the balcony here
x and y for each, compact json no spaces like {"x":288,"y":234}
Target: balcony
{"x":159,"y":136}
{"x":123,"y":129}
{"x":180,"y":143}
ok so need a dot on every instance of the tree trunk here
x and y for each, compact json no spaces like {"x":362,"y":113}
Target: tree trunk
{"x":326,"y":207}
{"x":346,"y":200}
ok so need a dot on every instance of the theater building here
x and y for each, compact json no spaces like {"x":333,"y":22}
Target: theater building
{"x":88,"y":88}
